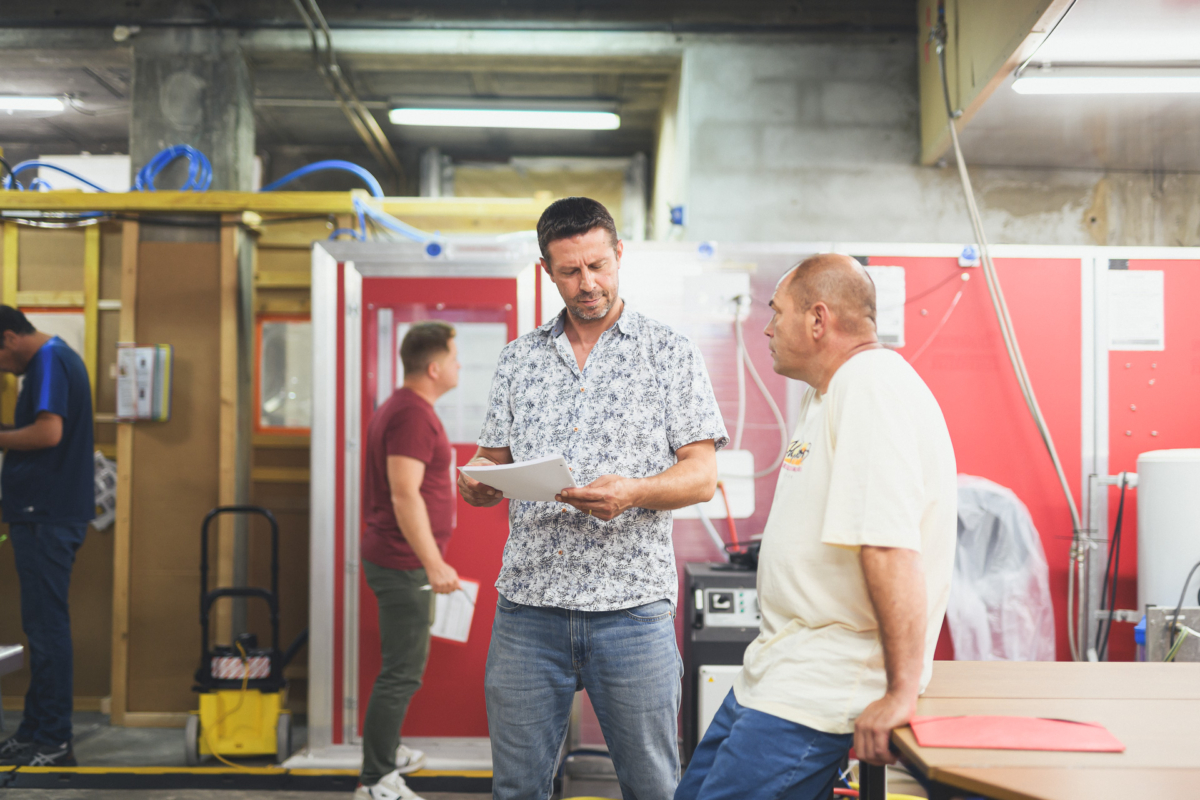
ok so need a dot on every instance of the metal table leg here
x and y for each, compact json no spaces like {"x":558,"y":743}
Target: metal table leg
{"x":872,"y":782}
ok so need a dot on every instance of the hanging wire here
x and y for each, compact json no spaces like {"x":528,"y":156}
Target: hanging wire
{"x":1007,"y":331}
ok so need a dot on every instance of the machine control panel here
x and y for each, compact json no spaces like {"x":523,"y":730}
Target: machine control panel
{"x":731,"y":608}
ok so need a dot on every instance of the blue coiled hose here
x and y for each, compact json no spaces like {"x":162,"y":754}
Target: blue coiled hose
{"x":199,"y":169}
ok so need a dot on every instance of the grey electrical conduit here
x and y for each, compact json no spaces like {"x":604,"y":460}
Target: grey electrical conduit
{"x":1010,"y":341}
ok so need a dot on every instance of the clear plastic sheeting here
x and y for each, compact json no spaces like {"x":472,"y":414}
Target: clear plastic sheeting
{"x":1000,"y":607}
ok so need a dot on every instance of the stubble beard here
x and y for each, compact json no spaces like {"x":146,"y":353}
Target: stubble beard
{"x":600,"y":313}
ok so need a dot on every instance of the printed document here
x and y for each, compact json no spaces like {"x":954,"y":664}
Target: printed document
{"x":537,"y":480}
{"x":453,"y":612}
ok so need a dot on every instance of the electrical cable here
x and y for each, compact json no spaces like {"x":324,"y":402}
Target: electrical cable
{"x":231,"y":712}
{"x":1179,"y":605}
{"x":739,"y":367}
{"x":957,"y":274}
{"x":748,"y":362}
{"x":945,"y":318}
{"x":1008,"y":334}
{"x":1113,"y":567}
{"x":360,"y":118}
{"x":324,"y":166}
{"x":6,"y":165}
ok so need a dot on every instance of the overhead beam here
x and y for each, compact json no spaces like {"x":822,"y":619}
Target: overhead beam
{"x":986,"y":42}
{"x":266,"y":203}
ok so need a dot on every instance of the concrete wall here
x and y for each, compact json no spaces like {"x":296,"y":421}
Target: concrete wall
{"x":790,"y":139}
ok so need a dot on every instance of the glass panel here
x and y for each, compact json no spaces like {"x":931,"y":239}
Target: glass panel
{"x":285,"y":379}
{"x":462,"y":410}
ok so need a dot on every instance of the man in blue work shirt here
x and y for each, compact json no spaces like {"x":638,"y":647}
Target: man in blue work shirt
{"x":47,"y":493}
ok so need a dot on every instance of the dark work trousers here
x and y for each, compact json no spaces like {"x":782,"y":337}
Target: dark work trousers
{"x":45,"y":555}
{"x":405,"y":616}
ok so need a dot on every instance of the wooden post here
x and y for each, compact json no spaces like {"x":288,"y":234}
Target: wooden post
{"x":227,"y":431}
{"x":8,"y":296}
{"x":130,"y":237}
{"x":91,"y":303}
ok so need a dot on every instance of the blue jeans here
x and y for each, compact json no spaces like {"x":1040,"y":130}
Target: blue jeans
{"x":748,"y":755}
{"x":44,"y":556}
{"x":629,"y":664}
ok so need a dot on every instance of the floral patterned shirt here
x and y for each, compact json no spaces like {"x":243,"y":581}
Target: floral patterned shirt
{"x":643,"y":394}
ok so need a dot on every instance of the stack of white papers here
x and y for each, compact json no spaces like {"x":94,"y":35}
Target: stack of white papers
{"x":536,"y":480}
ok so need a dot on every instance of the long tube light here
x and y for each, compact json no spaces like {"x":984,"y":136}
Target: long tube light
{"x":20,"y":103}
{"x":506,"y":118}
{"x":1094,"y":80}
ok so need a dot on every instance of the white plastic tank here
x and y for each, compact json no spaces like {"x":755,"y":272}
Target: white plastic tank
{"x":1168,"y":499}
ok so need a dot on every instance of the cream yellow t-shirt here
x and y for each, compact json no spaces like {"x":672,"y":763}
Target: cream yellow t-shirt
{"x":870,"y":464}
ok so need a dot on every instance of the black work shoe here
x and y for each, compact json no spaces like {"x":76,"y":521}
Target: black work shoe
{"x":50,"y":755}
{"x":12,"y":749}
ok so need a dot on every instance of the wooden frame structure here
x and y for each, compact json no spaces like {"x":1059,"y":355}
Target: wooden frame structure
{"x":241,"y":216}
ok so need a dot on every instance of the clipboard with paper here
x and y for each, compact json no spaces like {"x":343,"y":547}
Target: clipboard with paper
{"x":454,"y":612}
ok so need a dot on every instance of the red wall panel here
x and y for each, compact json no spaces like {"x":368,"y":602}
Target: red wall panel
{"x":1163,"y":387}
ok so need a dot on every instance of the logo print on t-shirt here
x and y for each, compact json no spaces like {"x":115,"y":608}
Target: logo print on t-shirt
{"x":796,"y":453}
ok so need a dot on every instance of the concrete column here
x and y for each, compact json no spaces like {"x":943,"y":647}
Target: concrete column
{"x":193,"y":86}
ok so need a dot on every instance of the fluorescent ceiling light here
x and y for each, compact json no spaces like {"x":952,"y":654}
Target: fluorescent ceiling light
{"x":1098,"y":80}
{"x":14,"y":103}
{"x":506,"y":118}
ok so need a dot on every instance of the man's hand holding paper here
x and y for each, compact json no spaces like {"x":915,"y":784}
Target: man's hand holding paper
{"x":605,"y":498}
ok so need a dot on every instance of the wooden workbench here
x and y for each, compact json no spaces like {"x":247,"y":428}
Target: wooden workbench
{"x":1154,"y":709}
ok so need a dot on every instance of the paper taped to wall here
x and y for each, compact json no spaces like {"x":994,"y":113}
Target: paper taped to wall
{"x":453,"y":612}
{"x":1135,"y":309}
{"x":538,"y":479}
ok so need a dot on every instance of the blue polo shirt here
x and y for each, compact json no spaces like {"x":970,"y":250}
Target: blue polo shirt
{"x":56,"y":484}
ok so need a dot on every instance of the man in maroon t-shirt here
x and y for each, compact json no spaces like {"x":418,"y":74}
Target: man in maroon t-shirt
{"x":408,"y":506}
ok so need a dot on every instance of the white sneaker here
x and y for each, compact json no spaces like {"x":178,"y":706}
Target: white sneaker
{"x":409,"y":760}
{"x":390,"y":787}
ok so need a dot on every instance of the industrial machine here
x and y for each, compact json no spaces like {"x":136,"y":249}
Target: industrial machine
{"x":720,"y":617}
{"x":241,"y":685}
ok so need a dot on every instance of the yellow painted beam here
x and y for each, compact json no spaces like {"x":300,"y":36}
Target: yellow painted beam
{"x":279,"y":475}
{"x":285,"y":203}
{"x":279,"y":441}
{"x":68,"y":299}
{"x":8,"y":296}
{"x":122,"y":526}
{"x":283,"y":279}
{"x":227,"y":423}
{"x":91,"y":303}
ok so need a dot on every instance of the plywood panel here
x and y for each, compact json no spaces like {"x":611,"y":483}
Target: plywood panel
{"x":110,"y":261}
{"x":176,"y":478}
{"x":51,"y":260}
{"x":91,"y":615}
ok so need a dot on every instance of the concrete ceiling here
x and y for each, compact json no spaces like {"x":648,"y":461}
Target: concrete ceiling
{"x":67,"y":47}
{"x":1116,"y":132}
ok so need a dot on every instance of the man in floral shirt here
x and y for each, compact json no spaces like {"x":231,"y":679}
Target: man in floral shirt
{"x":588,"y":586}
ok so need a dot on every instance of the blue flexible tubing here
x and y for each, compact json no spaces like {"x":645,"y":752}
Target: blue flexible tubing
{"x":199,"y":169}
{"x":9,"y":180}
{"x":321,"y":166}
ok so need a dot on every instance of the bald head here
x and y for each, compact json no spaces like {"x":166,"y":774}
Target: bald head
{"x":841,"y":284}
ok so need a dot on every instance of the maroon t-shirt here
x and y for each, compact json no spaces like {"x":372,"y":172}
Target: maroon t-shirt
{"x":405,"y":425}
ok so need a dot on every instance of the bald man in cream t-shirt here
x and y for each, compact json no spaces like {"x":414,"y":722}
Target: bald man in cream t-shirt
{"x":854,"y":570}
